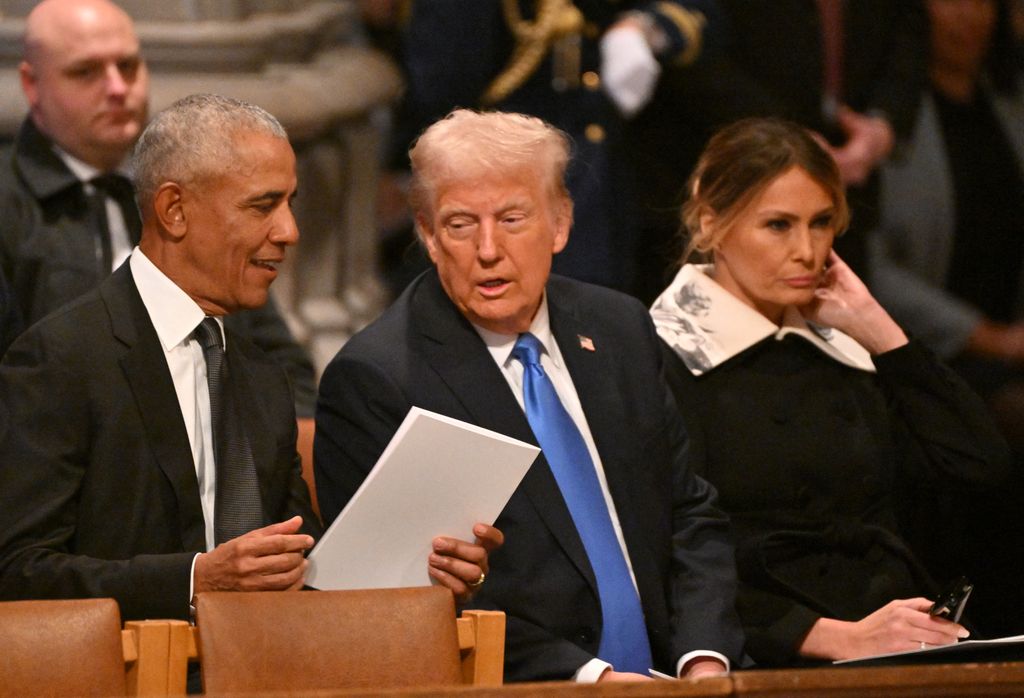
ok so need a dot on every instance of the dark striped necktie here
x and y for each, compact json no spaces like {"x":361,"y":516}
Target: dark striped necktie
{"x":238,"y":508}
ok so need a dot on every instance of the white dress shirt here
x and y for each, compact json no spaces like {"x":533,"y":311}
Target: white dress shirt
{"x":120,"y":240}
{"x":500,"y":346}
{"x":175,"y":316}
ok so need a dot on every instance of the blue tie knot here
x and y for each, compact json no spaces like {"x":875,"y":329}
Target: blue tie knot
{"x":527,"y":350}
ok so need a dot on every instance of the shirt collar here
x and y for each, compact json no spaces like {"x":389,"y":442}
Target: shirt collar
{"x":173,"y":313}
{"x":707,"y":325}
{"x":501,"y":345}
{"x":81,"y":169}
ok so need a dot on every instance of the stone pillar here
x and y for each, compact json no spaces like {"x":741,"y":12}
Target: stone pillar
{"x":304,"y":61}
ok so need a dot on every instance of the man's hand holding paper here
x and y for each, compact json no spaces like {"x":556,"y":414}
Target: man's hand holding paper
{"x":462,"y":566}
{"x":438,"y":479}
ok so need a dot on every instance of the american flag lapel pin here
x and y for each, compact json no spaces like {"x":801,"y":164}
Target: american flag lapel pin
{"x":586,"y":343}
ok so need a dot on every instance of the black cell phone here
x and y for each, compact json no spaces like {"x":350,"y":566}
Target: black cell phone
{"x":950,"y":603}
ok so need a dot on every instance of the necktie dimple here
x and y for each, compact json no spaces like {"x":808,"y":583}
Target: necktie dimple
{"x":624,"y":642}
{"x":238,"y":508}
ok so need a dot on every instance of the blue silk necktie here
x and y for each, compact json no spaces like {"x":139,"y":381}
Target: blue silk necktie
{"x":624,"y":642}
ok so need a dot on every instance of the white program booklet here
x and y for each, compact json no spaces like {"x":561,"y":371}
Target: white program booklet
{"x":437,"y":477}
{"x":961,"y":647}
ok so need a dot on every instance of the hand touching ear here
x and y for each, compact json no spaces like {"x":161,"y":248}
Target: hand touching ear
{"x":844,"y":303}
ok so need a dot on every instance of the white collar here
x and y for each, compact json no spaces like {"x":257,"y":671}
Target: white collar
{"x":82,"y":170}
{"x":173,"y":313}
{"x":707,"y":325}
{"x":501,"y":345}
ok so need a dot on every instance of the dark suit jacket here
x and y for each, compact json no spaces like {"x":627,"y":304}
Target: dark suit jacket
{"x":51,"y":251}
{"x":98,"y":489}
{"x":423,"y":352}
{"x":10,"y":322}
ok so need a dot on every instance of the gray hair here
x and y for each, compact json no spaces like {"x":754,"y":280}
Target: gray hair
{"x":194,"y":138}
{"x":467,"y":145}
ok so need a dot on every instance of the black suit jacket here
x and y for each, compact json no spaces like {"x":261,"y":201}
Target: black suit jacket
{"x":52,"y":252}
{"x":10,"y":322}
{"x":98,"y":489}
{"x":423,"y":352}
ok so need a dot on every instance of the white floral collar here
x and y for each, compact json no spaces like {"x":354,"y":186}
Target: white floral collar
{"x":707,"y":325}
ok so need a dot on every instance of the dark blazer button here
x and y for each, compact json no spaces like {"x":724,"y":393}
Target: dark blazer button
{"x":585,"y":636}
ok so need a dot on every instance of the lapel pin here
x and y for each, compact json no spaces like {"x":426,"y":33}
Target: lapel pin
{"x":586,"y":343}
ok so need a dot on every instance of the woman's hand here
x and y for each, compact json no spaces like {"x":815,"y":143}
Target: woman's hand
{"x":844,"y":302}
{"x":898,"y":626}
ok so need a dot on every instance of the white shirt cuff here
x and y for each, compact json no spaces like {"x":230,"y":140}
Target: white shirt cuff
{"x":591,"y":671}
{"x":192,"y":587}
{"x":702,"y":654}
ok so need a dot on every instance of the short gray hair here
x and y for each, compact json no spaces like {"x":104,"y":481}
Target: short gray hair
{"x":467,"y":144}
{"x":193,"y":138}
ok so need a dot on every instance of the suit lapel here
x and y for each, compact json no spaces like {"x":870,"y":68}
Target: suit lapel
{"x":146,"y":370}
{"x":594,"y":361}
{"x":458,"y":355}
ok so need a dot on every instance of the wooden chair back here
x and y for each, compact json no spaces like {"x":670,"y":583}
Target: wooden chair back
{"x":318,"y":640}
{"x":61,"y":648}
{"x":482,"y":647}
{"x":156,"y":654}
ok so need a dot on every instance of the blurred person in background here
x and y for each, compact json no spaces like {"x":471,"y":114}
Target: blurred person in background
{"x":948,"y":261}
{"x":850,"y":70}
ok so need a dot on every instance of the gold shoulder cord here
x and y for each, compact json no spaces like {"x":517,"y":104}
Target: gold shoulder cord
{"x":555,"y":19}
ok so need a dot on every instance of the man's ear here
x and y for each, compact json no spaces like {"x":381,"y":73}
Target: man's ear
{"x":563,"y":224}
{"x":28,"y":83}
{"x":169,"y":210}
{"x":426,"y":235}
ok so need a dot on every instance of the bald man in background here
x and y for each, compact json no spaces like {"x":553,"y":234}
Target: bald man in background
{"x":66,"y":198}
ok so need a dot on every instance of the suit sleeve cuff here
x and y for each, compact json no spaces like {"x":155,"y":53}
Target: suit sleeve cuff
{"x":700,"y":654}
{"x":591,"y":671}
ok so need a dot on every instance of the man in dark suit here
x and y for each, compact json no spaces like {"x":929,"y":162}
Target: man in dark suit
{"x":148,"y":453}
{"x":492,"y":209}
{"x":66,"y":202}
